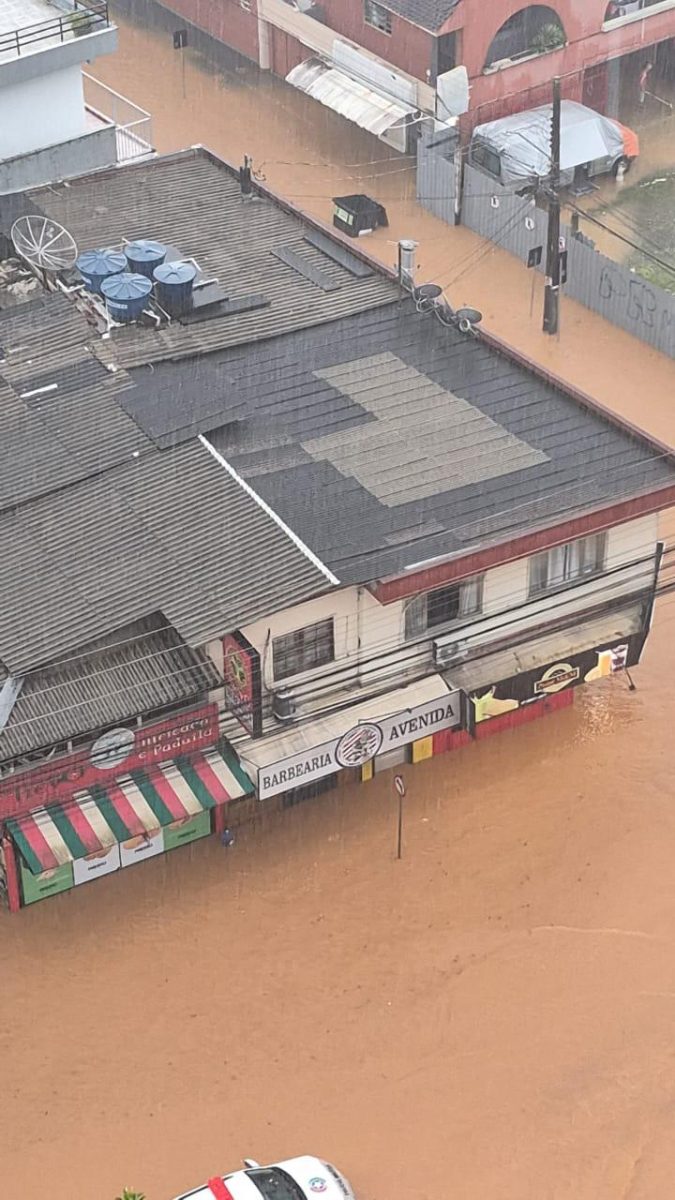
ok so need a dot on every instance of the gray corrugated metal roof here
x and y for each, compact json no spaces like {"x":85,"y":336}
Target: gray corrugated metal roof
{"x":430,"y":14}
{"x":194,"y":203}
{"x":170,"y":531}
{"x":59,"y":421}
{"x":140,"y":669}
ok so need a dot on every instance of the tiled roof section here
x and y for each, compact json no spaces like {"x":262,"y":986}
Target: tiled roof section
{"x":194,"y":203}
{"x":430,"y":14}
{"x":170,"y":531}
{"x":137,"y":670}
{"x":581,"y":460}
{"x":58,"y":417}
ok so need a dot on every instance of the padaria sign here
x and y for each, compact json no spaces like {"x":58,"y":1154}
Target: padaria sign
{"x":360,"y":743}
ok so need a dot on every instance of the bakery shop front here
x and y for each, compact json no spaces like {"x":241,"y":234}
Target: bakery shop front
{"x":133,"y":794}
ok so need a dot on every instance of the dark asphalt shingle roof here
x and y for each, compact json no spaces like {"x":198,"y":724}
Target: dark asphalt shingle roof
{"x":140,"y":669}
{"x":430,"y":14}
{"x":397,"y":439}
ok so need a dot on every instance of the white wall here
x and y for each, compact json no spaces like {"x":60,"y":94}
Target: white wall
{"x":370,"y":638}
{"x":41,"y":112}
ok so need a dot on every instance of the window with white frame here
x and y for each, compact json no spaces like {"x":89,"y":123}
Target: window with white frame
{"x":303,"y":650}
{"x":443,"y":606}
{"x":377,"y":16}
{"x":565,"y":564}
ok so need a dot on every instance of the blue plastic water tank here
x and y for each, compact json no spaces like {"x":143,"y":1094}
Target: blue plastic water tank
{"x":96,"y":265}
{"x":174,"y":282}
{"x":143,"y":256}
{"x":126,"y":295}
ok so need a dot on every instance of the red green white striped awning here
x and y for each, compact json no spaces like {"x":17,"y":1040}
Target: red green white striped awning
{"x":140,"y":802}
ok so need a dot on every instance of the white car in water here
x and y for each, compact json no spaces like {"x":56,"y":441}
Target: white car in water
{"x":304,"y":1178}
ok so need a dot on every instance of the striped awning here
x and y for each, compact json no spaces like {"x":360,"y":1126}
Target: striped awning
{"x":131,"y":805}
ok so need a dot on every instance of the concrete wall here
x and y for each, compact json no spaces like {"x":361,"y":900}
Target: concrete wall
{"x":91,"y":152}
{"x":42,"y":111}
{"x":525,"y":84}
{"x":607,"y":287}
{"x":370,"y":646}
{"x":58,"y":56}
{"x":225,"y":20}
{"x":408,"y":46}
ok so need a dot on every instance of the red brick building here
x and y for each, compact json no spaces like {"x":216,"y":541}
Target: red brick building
{"x":511,"y":50}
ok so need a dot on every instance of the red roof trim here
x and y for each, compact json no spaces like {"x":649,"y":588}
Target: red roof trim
{"x":388,"y":590}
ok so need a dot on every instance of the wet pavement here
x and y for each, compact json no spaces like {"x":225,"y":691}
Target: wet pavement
{"x":492,"y":1016}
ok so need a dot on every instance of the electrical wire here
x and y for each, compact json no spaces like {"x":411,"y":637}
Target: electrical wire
{"x":596,"y":598}
{"x":394,"y":644}
{"x":622,"y":238}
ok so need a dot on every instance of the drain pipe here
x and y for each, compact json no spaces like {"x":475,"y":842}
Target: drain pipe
{"x":407,"y":263}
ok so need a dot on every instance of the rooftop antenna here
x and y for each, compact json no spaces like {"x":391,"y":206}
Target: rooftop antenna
{"x":43,"y":243}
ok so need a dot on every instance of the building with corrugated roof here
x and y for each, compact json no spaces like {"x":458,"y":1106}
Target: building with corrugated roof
{"x":294,"y":525}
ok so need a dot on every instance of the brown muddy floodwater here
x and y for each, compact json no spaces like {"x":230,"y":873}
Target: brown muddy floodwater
{"x":492,"y":1017}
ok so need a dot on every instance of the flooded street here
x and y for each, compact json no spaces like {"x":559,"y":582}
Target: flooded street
{"x":492,"y":1016}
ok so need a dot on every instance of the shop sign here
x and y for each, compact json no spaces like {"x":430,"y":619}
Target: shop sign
{"x":121,"y":750}
{"x":530,"y":686}
{"x":361,"y":743}
{"x":48,"y":883}
{"x":103,"y":862}
{"x":243,"y":682}
{"x":137,"y":849}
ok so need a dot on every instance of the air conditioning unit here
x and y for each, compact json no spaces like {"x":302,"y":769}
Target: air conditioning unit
{"x":284,"y":706}
{"x":447,"y":651}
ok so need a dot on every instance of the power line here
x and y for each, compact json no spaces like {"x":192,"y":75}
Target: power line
{"x":622,"y":238}
{"x":568,"y":596}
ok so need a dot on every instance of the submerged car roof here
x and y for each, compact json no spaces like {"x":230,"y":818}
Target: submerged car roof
{"x":306,"y":1170}
{"x":585,"y":135}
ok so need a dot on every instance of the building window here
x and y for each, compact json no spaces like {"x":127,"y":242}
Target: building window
{"x":303,"y":650}
{"x":626,"y":8}
{"x":443,"y":606}
{"x":377,"y":16}
{"x":533,"y":30}
{"x":565,"y":564}
{"x":446,"y":53}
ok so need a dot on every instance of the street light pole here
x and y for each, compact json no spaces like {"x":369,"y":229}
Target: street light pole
{"x":552,"y":288}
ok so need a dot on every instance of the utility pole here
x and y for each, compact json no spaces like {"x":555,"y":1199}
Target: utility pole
{"x":552,"y":288}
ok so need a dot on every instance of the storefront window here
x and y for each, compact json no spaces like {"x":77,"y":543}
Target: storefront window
{"x":564,"y":564}
{"x":443,"y":606}
{"x":303,"y":650}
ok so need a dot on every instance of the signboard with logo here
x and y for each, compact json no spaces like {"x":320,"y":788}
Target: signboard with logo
{"x":530,"y":686}
{"x":119,"y":750}
{"x":49,"y":883}
{"x":104,"y":862}
{"x":146,"y":845}
{"x":361,"y":743}
{"x":243,"y":682}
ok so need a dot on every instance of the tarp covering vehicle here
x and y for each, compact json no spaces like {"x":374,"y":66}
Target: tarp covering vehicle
{"x":518,"y":147}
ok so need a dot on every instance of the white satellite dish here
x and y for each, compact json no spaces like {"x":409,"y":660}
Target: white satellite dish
{"x":44,"y":243}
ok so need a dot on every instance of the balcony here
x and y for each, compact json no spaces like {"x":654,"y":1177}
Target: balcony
{"x":133,"y":125}
{"x":28,"y":26}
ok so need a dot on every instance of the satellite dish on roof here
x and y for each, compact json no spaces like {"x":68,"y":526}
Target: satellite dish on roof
{"x":44,"y":243}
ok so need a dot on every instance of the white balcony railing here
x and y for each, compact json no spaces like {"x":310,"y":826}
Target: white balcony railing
{"x":133,"y":125}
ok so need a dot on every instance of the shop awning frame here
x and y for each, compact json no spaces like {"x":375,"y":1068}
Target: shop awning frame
{"x":129,"y":806}
{"x":504,"y":663}
{"x":371,"y":110}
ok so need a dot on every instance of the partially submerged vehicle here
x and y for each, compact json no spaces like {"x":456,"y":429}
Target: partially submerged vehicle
{"x":517,"y":148}
{"x":303,"y":1178}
